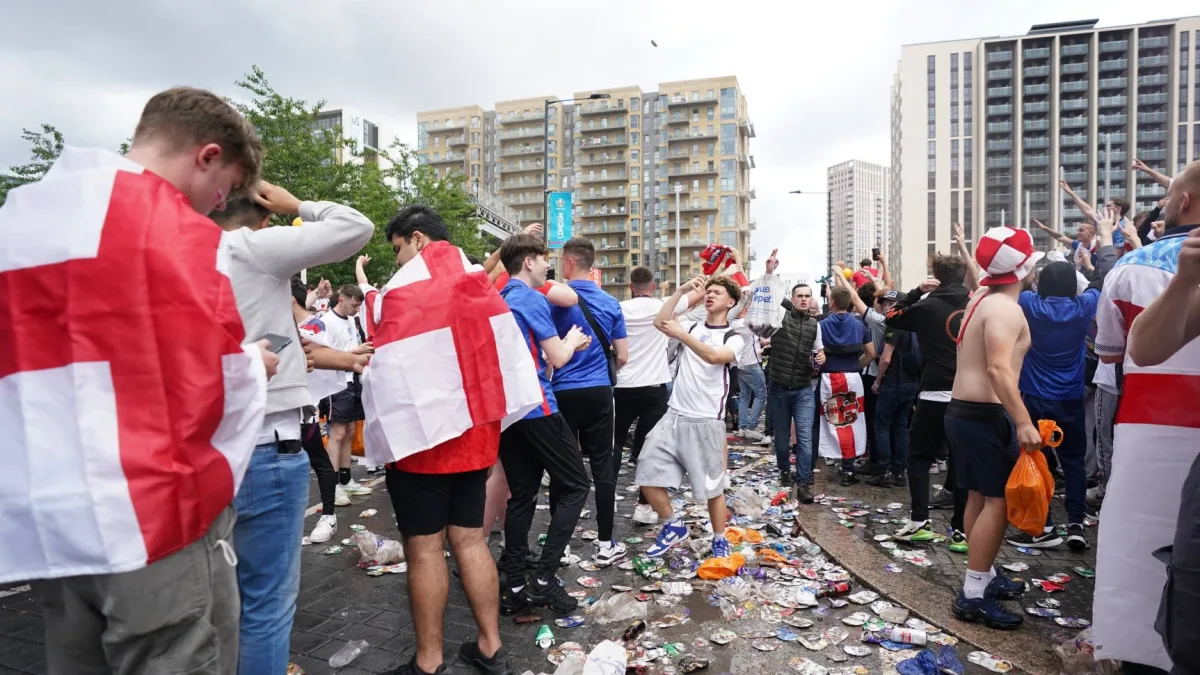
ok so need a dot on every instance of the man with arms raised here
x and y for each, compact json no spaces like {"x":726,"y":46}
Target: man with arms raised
{"x":689,"y":441}
{"x":986,"y":422}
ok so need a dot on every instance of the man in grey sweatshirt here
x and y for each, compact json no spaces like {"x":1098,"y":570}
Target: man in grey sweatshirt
{"x":271,"y":501}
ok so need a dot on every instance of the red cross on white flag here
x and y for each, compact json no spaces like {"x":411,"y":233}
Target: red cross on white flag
{"x":448,"y":357}
{"x":130,"y":405}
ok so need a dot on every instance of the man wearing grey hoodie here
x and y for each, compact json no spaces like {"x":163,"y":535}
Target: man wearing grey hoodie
{"x":270,"y":503}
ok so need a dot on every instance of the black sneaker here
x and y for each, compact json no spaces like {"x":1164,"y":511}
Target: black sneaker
{"x":899,"y":478}
{"x":787,"y":480}
{"x":411,"y":668}
{"x":849,"y":479}
{"x":549,"y":594}
{"x":870,"y":469}
{"x":1077,"y":537}
{"x":881,"y":480}
{"x":942,"y":499}
{"x":510,"y":602}
{"x":987,"y":610}
{"x":1047,"y":539}
{"x":804,"y":494}
{"x":496,"y":665}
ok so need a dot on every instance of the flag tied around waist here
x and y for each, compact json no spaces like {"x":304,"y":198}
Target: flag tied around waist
{"x":131,"y":405}
{"x":448,"y":357}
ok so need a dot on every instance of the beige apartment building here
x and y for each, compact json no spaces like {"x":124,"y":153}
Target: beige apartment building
{"x":621,"y":152}
{"x":983,"y":129}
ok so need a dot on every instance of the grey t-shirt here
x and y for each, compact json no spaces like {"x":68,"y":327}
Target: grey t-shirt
{"x":875,"y":323}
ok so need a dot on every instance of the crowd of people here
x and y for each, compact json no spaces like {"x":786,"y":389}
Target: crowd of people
{"x":478,"y":382}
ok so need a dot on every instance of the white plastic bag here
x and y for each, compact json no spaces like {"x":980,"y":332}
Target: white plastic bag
{"x":375,"y":550}
{"x":765,"y":312}
{"x":608,"y":658}
{"x":617,"y":607}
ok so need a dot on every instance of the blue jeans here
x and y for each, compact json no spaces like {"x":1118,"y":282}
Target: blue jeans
{"x":892,"y":410}
{"x":751,"y":381}
{"x":270,"y":524}
{"x":793,"y":405}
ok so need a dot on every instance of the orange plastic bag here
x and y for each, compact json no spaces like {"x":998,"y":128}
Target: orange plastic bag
{"x":737,"y":535}
{"x":769,"y":555}
{"x":720,"y":568}
{"x":1030,"y":486}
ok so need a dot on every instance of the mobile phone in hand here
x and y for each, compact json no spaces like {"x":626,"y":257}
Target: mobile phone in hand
{"x":277,"y":342}
{"x":875,"y":254}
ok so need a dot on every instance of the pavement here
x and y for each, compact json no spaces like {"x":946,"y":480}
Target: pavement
{"x":340,"y":602}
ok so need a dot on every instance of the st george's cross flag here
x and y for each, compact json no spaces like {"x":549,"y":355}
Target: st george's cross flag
{"x":844,"y":428}
{"x":449,"y":356}
{"x":129,"y":404}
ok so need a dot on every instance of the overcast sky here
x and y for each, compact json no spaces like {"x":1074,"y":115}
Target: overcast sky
{"x":816,"y":77}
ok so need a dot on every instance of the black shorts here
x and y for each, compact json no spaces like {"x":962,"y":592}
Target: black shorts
{"x":983,"y":440}
{"x":426,"y":503}
{"x":589,"y":414}
{"x":346,"y":406}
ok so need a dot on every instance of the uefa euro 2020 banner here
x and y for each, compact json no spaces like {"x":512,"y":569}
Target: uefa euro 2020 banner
{"x":559,"y":220}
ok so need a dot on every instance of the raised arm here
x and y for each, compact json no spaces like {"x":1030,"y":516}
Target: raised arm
{"x":1088,"y":211}
{"x":1162,"y":179}
{"x":1058,"y":236}
{"x":330,"y":233}
{"x":883,"y":270}
{"x":360,"y":272}
{"x":1158,"y":332}
{"x":960,"y":245}
{"x":839,"y":278}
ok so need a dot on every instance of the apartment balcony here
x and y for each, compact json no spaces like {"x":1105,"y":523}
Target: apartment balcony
{"x":605,"y":211}
{"x":456,"y":141}
{"x":1113,"y":64}
{"x":1074,"y":86}
{"x":693,"y":242}
{"x":677,"y":118}
{"x":1037,"y":71}
{"x":999,"y":127}
{"x":999,"y":181}
{"x":1152,"y":117}
{"x":1157,"y":154}
{"x":448,"y":126}
{"x":1152,"y":136}
{"x":1116,"y":192}
{"x":683,"y":100}
{"x":596,"y":142}
{"x":1113,"y":101}
{"x":1073,"y":141}
{"x":696,"y":134}
{"x":1035,"y":160}
{"x":999,"y":92}
{"x":593,"y":228}
{"x":522,"y":132}
{"x":998,"y":145}
{"x":1112,"y":120}
{"x":1074,"y":68}
{"x":615,"y":280}
{"x":1076,"y":122}
{"x":1036,"y":107}
{"x":1111,"y":46}
{"x":753,"y":226}
{"x":1153,"y":42}
{"x":520,"y":117}
{"x":1114,"y":82}
{"x":1075,"y":50}
{"x":523,"y":200}
{"x":1153,"y":99}
{"x":679,"y":152}
{"x":604,"y":158}
{"x":1036,"y":89}
{"x":599,"y":196}
{"x":1037,"y":53}
{"x":619,"y":246}
{"x":999,"y":163}
{"x":1036,"y":143}
{"x":999,"y":197}
{"x":448,"y":158}
{"x":1152,"y":80}
{"x":1002,"y":74}
{"x":593,"y":127}
{"x":1040,"y":214}
{"x":611,"y":264}
{"x":696,"y":206}
{"x":604,"y":177}
{"x":517,"y":167}
{"x":1116,"y":156}
{"x":1074,"y":104}
{"x":600,"y":107}
{"x":1074,"y":157}
{"x":517,"y":150}
{"x":1075,"y":177}
{"x":693,"y":171}
{"x":1000,"y":56}
{"x":1153,"y":61}
{"x":1036,"y":125}
{"x":1115,"y":138}
{"x":523,"y":183}
{"x":1156,"y":191}
{"x":1005,"y":109}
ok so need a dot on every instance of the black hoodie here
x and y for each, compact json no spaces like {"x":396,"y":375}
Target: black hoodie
{"x":935,"y":321}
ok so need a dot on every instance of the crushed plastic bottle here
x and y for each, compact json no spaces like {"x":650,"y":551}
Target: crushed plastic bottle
{"x":350,"y":651}
{"x":614,"y":607}
{"x":374,"y":550}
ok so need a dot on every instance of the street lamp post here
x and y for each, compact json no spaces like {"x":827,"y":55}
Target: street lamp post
{"x":546,"y":157}
{"x":678,"y":260}
{"x":828,"y":221}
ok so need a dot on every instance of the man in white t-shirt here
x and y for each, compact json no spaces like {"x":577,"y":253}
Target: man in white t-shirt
{"x":641,"y":391}
{"x":689,"y":441}
{"x":345,"y":409}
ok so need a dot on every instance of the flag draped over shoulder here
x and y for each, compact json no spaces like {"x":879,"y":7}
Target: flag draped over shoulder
{"x":448,"y":357}
{"x":844,"y":429}
{"x":130,"y":404}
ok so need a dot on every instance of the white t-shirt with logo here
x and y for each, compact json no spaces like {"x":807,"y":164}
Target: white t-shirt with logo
{"x":343,"y":333}
{"x":702,"y":389}
{"x":647,"y":365}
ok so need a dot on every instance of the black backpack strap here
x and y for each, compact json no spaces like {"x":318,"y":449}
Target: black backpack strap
{"x":587,"y":313}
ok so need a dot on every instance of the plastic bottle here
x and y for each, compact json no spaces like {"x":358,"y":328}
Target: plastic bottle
{"x":348,"y":653}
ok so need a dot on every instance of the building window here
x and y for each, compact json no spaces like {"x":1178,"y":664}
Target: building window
{"x":728,"y":103}
{"x":967,"y":163}
{"x":711,"y":112}
{"x":728,"y":211}
{"x":953,"y":206}
{"x":968,"y":225}
{"x":475,"y":122}
{"x":633,"y":155}
{"x":728,"y":139}
{"x":710,"y":221}
{"x":1183,"y":76}
{"x":1181,"y":160}
{"x":633,"y":121}
{"x":635,"y":207}
{"x":967,"y":100}
{"x":931,"y":216}
{"x":954,"y":164}
{"x":634,"y":223}
{"x":728,"y":175}
{"x":953,"y":95}
{"x":931,"y":156}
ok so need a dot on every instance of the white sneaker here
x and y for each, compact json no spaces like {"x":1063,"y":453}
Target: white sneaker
{"x":339,"y":497}
{"x":751,"y":435}
{"x":566,"y":556}
{"x":356,"y":489}
{"x":644,"y":514}
{"x":1094,"y":494}
{"x":545,"y":480}
{"x":326,"y":526}
{"x":943,"y":466}
{"x":609,"y":552}
{"x":934,"y":469}
{"x":767,"y":441}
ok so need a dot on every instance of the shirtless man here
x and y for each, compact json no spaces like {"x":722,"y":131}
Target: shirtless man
{"x":986,"y":422}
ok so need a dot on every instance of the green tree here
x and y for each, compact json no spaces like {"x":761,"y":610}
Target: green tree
{"x":45,"y":147}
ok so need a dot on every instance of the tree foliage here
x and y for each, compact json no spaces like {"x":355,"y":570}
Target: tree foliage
{"x":317,"y":165}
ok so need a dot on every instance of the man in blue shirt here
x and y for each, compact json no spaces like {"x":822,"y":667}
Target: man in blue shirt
{"x":1052,"y":379}
{"x":849,"y":347}
{"x":541,"y":442}
{"x":584,"y":386}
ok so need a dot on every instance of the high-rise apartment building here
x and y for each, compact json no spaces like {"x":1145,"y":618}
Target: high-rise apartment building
{"x":622,"y":152}
{"x":354,"y":127}
{"x":983,"y":129}
{"x":859,"y":206}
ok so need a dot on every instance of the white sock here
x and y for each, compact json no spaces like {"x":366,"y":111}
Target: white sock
{"x":992,"y":573}
{"x":674,"y":518}
{"x":974,"y":584}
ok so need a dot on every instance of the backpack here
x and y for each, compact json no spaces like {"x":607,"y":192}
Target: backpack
{"x":910,"y":356}
{"x":676,"y":352}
